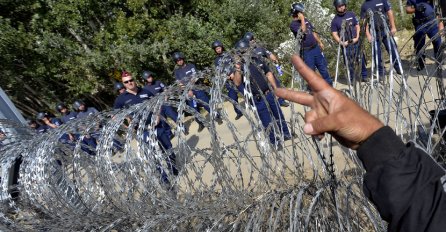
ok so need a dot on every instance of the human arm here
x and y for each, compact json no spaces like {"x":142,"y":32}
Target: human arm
{"x":392,"y":22}
{"x":271,"y":79}
{"x":368,"y":34}
{"x":319,"y":41}
{"x":401,"y":180}
{"x":358,"y":30}
{"x":336,"y":37}
{"x":303,"y":25}
{"x":273,"y":58}
{"x":237,"y":77}
{"x":53,"y":124}
{"x":331,"y":112}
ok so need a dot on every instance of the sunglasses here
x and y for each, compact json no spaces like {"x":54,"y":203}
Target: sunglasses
{"x":126,"y":82}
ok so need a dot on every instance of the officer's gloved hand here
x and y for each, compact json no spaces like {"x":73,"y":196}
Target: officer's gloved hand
{"x":420,"y":8}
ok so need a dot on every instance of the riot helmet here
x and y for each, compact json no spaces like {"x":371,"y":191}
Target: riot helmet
{"x":41,"y":115}
{"x":242,"y":45}
{"x":60,"y":106}
{"x":297,"y":7}
{"x":77,"y":105}
{"x":249,"y":36}
{"x":217,"y":43}
{"x":146,"y":74}
{"x":176,"y":56}
{"x":338,"y":3}
{"x":119,"y":86}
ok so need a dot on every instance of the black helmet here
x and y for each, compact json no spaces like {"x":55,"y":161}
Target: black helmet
{"x":119,"y":86}
{"x":248,"y":36}
{"x":242,"y":45}
{"x":146,"y":74}
{"x":297,"y":7}
{"x":41,"y":115}
{"x":176,"y":56}
{"x":77,"y":104}
{"x":337,"y":3}
{"x":60,"y":106}
{"x":217,"y":43}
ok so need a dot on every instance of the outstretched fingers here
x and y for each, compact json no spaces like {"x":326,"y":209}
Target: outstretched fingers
{"x":297,"y":97}
{"x":315,"y":81}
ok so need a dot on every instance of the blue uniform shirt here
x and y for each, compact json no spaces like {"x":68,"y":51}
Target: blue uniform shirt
{"x":350,"y":26}
{"x":259,"y":81}
{"x":183,"y":74}
{"x":127,"y":99}
{"x":44,"y":128}
{"x":226,"y":64}
{"x":428,"y":8}
{"x":309,"y":40}
{"x":375,"y":5}
{"x":155,"y":88}
{"x":89,"y":111}
{"x":261,"y":51}
{"x":68,"y":117}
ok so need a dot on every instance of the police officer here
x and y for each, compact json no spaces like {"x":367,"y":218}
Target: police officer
{"x":260,"y":76}
{"x":46,"y":122}
{"x":312,"y":46}
{"x":82,"y":110}
{"x":67,"y":115}
{"x":263,"y":52}
{"x":156,"y":87}
{"x":348,"y":40}
{"x":119,"y":87}
{"x":183,"y":73}
{"x":219,"y":49}
{"x":135,"y":95}
{"x":385,"y":8}
{"x":424,"y":23}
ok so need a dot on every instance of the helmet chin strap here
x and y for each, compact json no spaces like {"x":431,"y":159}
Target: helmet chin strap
{"x":341,"y":13}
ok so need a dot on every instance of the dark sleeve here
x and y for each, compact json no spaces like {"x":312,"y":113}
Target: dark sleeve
{"x":355,"y":20}
{"x":265,"y":67}
{"x":294,"y":28}
{"x":57,"y":122}
{"x":387,"y":5}
{"x":118,"y":103}
{"x":333,"y":27}
{"x":404,"y":183}
{"x":363,"y":11}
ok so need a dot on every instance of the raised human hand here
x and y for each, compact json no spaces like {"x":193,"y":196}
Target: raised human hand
{"x":331,"y":111}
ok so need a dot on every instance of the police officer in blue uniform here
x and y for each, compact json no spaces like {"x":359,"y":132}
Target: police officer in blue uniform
{"x":425,"y":24}
{"x":82,"y":110}
{"x":135,"y":95}
{"x":183,"y":73}
{"x":349,"y":40}
{"x":261,"y":77}
{"x":263,"y":52}
{"x":67,"y":115}
{"x":156,"y":87}
{"x":385,"y":8}
{"x":312,"y":46}
{"x":119,"y":87}
{"x":219,"y":49}
{"x":46,"y":122}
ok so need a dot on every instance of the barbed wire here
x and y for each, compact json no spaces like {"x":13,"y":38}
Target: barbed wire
{"x":230,"y":176}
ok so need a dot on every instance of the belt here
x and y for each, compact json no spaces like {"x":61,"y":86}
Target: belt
{"x":421,"y":21}
{"x":310,"y":47}
{"x":258,"y":96}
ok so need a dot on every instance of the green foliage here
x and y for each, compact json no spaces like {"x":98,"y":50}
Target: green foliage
{"x":61,"y":50}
